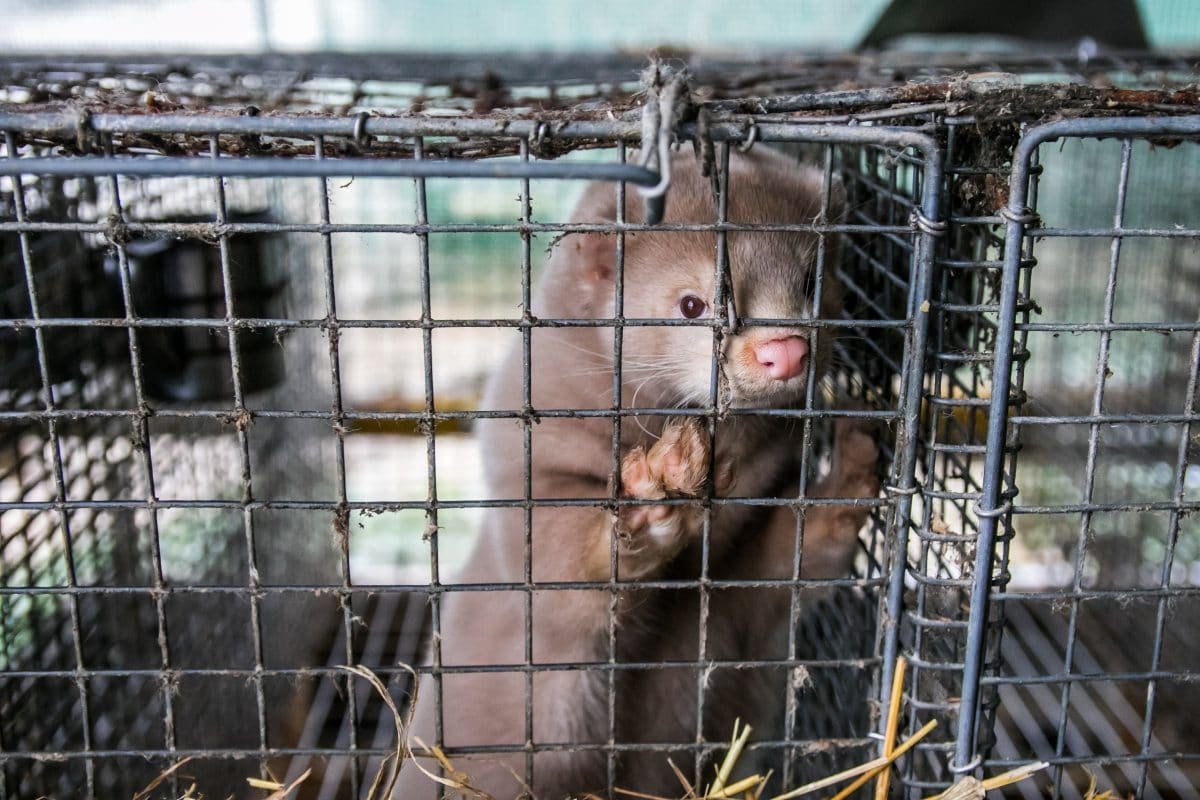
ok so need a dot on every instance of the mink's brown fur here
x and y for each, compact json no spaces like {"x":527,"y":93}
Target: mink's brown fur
{"x":662,"y":367}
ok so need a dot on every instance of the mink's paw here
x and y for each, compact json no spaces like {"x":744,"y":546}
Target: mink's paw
{"x":831,"y":534}
{"x":855,"y":457}
{"x":676,"y":466}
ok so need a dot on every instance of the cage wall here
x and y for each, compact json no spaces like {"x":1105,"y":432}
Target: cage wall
{"x":1096,"y":667}
{"x":320,"y":312}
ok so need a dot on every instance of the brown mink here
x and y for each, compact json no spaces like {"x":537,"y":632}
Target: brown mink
{"x":669,"y":275}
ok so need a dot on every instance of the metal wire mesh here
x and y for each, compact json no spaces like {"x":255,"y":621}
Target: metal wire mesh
{"x":1100,"y":670}
{"x":89,"y":607}
{"x":238,"y":391}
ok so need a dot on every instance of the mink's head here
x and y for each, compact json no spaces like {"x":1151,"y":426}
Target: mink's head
{"x":672,"y":275}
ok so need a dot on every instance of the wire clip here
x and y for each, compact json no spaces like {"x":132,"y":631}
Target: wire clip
{"x":1026,"y":216}
{"x":923,"y":223}
{"x":360,"y":130}
{"x":998,"y":511}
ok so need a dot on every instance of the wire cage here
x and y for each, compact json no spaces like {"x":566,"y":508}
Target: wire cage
{"x":250,"y":306}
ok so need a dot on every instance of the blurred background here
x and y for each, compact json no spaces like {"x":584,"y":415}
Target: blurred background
{"x":226,"y":26}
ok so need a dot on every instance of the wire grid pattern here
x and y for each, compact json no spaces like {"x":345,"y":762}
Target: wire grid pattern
{"x":834,"y":636}
{"x":94,"y":646}
{"x":950,"y":410}
{"x":941,"y":521}
{"x":171,"y":676}
{"x":1116,"y":683}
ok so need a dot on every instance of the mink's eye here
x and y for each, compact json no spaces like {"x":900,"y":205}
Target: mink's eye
{"x":691,"y":306}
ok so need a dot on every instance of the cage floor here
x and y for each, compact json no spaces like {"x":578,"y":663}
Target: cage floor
{"x":1104,"y":715}
{"x":391,"y":633}
{"x":393,"y":626}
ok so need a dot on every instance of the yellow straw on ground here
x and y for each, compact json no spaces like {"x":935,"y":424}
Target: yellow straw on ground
{"x":870,"y":766}
{"x":971,"y":788}
{"x":893,"y":723}
{"x":632,"y":793}
{"x":1013,"y":775}
{"x":687,"y":787}
{"x":162,"y":776}
{"x":1092,"y":794}
{"x":259,"y":783}
{"x":727,"y":764}
{"x":861,"y":781}
{"x":762,"y":787}
{"x":401,"y":724}
{"x":734,"y":789}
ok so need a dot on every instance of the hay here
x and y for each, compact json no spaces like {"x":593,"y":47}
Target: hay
{"x":1092,"y":794}
{"x":748,"y":788}
{"x":971,"y":788}
{"x":879,"y":769}
{"x":280,"y":791}
{"x":162,"y":776}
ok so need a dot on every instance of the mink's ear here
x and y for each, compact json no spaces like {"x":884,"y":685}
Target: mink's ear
{"x":592,"y":256}
{"x":595,"y":253}
{"x":583,"y":265}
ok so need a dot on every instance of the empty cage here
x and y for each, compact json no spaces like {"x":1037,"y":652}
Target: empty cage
{"x":1095,"y":661}
{"x":251,"y":312}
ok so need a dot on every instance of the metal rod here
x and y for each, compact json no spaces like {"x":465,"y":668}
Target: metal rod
{"x":265,"y":167}
{"x":912,"y":379}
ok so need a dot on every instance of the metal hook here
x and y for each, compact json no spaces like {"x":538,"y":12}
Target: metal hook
{"x":539,"y":135}
{"x":751,"y":138}
{"x":360,"y":130}
{"x":659,"y":116}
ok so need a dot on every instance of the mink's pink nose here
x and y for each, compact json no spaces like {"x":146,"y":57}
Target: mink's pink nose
{"x":783,"y":358}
